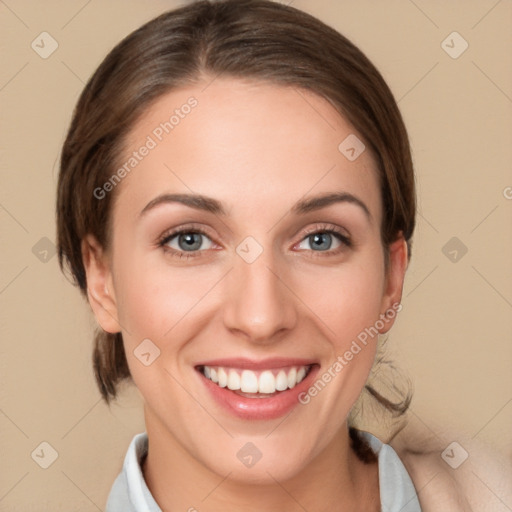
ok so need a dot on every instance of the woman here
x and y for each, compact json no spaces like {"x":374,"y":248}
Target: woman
{"x":236,"y":200}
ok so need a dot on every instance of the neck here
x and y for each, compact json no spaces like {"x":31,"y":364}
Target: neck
{"x":336,"y":479}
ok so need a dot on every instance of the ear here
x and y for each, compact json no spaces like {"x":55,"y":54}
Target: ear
{"x":394,"y":282}
{"x":100,"y":289}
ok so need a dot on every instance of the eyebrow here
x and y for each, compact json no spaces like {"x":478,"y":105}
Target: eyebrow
{"x":201,"y":202}
{"x":197,"y":201}
{"x":321,"y":201}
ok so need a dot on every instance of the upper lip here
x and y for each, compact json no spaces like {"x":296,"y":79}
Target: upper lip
{"x":263,"y":364}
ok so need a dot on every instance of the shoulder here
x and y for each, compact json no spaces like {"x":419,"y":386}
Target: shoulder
{"x":455,"y":472}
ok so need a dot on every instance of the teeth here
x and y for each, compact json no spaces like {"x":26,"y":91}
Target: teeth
{"x":247,"y":381}
{"x":223,"y":377}
{"x":292,"y":378}
{"x":282,"y":381}
{"x":301,"y":373}
{"x":267,"y":382}
{"x":233,"y":380}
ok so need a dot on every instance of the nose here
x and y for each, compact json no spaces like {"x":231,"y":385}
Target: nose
{"x":259,"y":306}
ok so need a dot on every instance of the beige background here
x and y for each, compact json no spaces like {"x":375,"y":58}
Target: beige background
{"x":453,"y":335}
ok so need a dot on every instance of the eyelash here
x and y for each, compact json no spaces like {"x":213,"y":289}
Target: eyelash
{"x":346,"y":242}
{"x":167,"y":237}
{"x":331,"y":229}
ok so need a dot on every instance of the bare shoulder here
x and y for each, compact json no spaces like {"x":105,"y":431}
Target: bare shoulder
{"x":454,"y":472}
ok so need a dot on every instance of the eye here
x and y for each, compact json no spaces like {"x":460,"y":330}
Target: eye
{"x":184,"y":241}
{"x":324,"y":240}
{"x":318,"y":241}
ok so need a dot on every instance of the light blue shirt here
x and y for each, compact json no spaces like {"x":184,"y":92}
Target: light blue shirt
{"x":131,"y":494}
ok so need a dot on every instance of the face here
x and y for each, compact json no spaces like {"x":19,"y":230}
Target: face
{"x":246,"y":250}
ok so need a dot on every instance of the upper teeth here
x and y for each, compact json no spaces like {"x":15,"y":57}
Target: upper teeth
{"x":248,"y":381}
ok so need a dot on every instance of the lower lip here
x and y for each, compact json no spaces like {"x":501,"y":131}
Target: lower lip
{"x":259,"y":408}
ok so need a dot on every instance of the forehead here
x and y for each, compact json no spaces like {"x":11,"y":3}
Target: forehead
{"x":238,"y":140}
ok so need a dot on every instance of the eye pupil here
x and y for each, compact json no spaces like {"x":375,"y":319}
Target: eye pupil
{"x":321,"y":241}
{"x":190,"y":241}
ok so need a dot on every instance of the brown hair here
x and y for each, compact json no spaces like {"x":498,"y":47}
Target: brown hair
{"x":253,"y":39}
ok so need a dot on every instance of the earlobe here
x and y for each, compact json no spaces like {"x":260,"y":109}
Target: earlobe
{"x":398,"y":259}
{"x":100,"y":291}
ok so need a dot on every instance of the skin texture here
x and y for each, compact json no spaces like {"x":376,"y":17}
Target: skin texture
{"x":257,"y":148}
{"x":482,"y":483}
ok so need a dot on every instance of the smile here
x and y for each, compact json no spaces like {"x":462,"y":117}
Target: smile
{"x":257,"y":390}
{"x":256,"y":383}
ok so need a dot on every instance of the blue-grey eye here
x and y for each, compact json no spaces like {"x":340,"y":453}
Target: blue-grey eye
{"x":189,"y":241}
{"x":321,"y":241}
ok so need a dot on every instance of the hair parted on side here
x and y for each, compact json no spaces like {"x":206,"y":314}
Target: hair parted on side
{"x":249,"y":39}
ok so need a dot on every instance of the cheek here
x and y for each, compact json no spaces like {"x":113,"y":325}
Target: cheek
{"x":346,"y":300}
{"x":346,"y":304}
{"x":156,"y":300}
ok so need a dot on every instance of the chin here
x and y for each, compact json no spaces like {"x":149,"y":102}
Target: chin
{"x":258,"y":461}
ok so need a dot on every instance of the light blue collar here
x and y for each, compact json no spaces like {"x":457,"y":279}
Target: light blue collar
{"x":131,"y":494}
